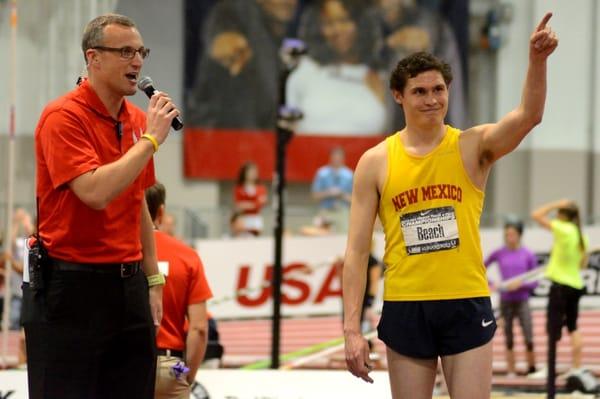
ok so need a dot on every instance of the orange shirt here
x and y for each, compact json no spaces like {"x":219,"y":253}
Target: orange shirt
{"x":75,"y":134}
{"x":186,"y":285}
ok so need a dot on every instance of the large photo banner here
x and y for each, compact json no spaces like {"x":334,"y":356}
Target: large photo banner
{"x":239,"y":272}
{"x":234,"y":80}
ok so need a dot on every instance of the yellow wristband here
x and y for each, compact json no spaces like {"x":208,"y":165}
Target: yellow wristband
{"x":151,"y":139}
{"x":156,"y":279}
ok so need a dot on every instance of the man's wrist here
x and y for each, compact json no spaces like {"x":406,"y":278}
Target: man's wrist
{"x":152,"y":140}
{"x":157,"y":279}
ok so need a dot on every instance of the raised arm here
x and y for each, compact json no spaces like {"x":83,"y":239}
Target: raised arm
{"x":500,"y":138}
{"x":541,"y":214}
{"x":365,"y":200}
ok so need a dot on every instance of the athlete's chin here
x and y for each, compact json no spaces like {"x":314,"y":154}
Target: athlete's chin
{"x":432,"y":120}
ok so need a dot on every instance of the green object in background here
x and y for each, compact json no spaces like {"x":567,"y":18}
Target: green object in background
{"x":265,"y":364}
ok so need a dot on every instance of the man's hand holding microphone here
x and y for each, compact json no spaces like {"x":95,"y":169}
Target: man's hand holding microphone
{"x":161,"y":115}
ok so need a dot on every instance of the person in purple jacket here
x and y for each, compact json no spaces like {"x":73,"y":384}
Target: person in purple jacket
{"x":514,"y":260}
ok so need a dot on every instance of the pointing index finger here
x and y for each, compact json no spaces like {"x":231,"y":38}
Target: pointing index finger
{"x":544,"y":21}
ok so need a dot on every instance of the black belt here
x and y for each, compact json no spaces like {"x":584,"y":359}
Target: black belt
{"x":169,"y":352}
{"x":124,"y":270}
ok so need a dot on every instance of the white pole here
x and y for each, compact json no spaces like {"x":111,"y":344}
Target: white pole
{"x":53,"y":75}
{"x":10,"y":180}
{"x":75,"y":47}
{"x":93,"y":9}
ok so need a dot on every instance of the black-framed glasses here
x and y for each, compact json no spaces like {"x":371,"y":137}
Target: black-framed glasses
{"x":126,"y":52}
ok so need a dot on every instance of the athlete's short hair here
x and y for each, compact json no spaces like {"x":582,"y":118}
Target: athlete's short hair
{"x":417,"y":63}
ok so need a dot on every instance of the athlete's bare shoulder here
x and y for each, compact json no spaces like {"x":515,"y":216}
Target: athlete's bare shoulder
{"x":372,"y":165}
{"x":470,"y":141}
{"x":476,"y":162}
{"x":475,"y":131}
{"x":378,"y":151}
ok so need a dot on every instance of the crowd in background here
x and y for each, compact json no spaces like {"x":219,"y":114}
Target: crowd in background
{"x":331,"y":190}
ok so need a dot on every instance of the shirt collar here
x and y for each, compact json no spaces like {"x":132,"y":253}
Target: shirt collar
{"x":89,"y":96}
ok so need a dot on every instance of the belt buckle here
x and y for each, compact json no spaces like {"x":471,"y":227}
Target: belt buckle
{"x":127,"y":270}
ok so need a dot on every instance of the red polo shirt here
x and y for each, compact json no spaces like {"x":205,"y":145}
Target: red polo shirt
{"x":186,"y":285}
{"x":75,"y":135}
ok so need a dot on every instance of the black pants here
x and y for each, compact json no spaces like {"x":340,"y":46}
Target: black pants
{"x":562,"y":309}
{"x":89,"y":335}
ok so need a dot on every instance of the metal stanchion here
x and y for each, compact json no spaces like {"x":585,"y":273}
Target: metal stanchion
{"x":290,"y":54}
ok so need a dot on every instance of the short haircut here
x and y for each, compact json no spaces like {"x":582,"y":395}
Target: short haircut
{"x":155,"y":197}
{"x":415,"y":64}
{"x":515,"y":224}
{"x":93,"y":34}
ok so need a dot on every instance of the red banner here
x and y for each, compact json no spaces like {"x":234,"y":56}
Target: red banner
{"x":218,"y":154}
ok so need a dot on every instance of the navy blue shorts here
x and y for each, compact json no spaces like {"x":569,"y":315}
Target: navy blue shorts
{"x":428,"y":329}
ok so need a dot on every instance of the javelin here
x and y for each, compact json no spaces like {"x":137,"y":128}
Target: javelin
{"x":306,"y":354}
{"x":10,"y":181}
{"x":323,"y":353}
{"x":527,"y":277}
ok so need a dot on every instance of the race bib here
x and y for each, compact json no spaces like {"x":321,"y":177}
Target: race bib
{"x":430,"y":230}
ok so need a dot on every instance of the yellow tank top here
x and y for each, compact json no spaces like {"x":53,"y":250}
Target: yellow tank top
{"x":430,"y":211}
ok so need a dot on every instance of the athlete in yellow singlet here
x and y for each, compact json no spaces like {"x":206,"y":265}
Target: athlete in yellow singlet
{"x":427,"y":184}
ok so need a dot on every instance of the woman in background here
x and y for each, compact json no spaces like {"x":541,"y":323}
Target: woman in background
{"x":249,"y":197}
{"x":337,"y":86}
{"x":567,"y":258}
{"x":514,"y":260}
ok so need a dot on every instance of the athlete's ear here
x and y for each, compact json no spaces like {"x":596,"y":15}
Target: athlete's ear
{"x":397,"y":96}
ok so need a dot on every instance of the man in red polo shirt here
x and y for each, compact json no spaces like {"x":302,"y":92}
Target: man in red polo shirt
{"x":183,"y":333}
{"x":90,"y":315}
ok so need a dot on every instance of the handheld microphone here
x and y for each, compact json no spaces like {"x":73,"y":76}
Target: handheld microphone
{"x":293,"y":47}
{"x":145,"y":84}
{"x":290,"y":52}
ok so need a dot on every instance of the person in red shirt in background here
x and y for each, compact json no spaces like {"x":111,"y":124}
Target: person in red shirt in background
{"x":183,"y":332}
{"x":249,"y":197}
